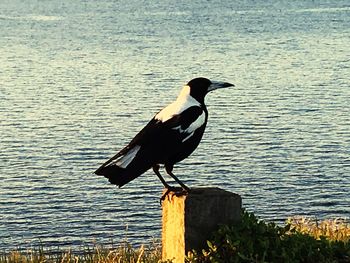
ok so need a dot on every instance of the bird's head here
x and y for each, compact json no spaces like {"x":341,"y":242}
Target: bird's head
{"x":199,"y":87}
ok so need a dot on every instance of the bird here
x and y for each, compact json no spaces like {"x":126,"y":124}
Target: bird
{"x":168,"y":138}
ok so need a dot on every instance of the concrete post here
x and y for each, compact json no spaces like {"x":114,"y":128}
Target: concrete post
{"x":189,"y":219}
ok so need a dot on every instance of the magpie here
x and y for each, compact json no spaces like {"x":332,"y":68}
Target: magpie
{"x":171,"y":136}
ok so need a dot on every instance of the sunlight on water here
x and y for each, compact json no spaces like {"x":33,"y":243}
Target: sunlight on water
{"x":79,"y":80}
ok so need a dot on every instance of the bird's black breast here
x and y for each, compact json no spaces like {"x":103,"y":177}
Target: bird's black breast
{"x":186,"y":148}
{"x":186,"y":143}
{"x":164,"y":142}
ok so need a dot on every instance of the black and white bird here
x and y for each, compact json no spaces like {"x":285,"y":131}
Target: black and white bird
{"x":171,"y":136}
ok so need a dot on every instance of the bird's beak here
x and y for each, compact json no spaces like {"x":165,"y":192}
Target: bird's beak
{"x":219,"y":85}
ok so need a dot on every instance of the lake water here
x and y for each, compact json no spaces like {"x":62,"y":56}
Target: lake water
{"x":78,"y":79}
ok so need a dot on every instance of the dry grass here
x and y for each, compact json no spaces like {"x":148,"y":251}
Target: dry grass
{"x":123,"y":253}
{"x":334,"y":229}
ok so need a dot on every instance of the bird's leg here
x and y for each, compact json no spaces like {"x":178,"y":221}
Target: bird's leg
{"x":166,"y":185}
{"x":156,"y":171}
{"x":169,"y":170}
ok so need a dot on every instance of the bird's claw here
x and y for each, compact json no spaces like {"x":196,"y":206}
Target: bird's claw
{"x":168,"y":190}
{"x":177,"y":191}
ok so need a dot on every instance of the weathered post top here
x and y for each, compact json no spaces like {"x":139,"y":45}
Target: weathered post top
{"x":190,"y":218}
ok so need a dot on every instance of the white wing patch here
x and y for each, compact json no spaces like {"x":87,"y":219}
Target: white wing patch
{"x":193,"y":127}
{"x":183,"y":102}
{"x":124,"y":160}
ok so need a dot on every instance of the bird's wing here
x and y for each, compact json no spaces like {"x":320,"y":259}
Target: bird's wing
{"x":113,"y":160}
{"x":185,"y":123}
{"x":156,"y":134}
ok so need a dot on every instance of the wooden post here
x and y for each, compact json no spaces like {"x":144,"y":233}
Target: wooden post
{"x":189,"y":219}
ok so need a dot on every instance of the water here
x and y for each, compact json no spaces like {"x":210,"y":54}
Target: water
{"x":78,"y":79}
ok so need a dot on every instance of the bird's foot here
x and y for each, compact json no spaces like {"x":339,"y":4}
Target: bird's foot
{"x":178,"y":191}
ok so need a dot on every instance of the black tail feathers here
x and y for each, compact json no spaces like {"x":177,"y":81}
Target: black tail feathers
{"x":116,"y":175}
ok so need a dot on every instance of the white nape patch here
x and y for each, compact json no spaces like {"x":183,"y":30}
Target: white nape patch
{"x":193,"y":127}
{"x":126,"y":159}
{"x":183,"y":102}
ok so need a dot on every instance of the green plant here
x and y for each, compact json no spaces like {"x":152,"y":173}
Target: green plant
{"x":254,"y":240}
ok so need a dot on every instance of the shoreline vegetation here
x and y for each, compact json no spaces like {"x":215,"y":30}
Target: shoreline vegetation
{"x":301,"y":239}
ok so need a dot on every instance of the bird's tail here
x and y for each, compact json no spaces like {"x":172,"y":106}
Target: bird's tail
{"x":123,"y":167}
{"x":116,"y":175}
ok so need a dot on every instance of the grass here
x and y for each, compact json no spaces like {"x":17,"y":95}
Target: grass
{"x":123,"y":253}
{"x":335,"y":230}
{"x":253,"y":240}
